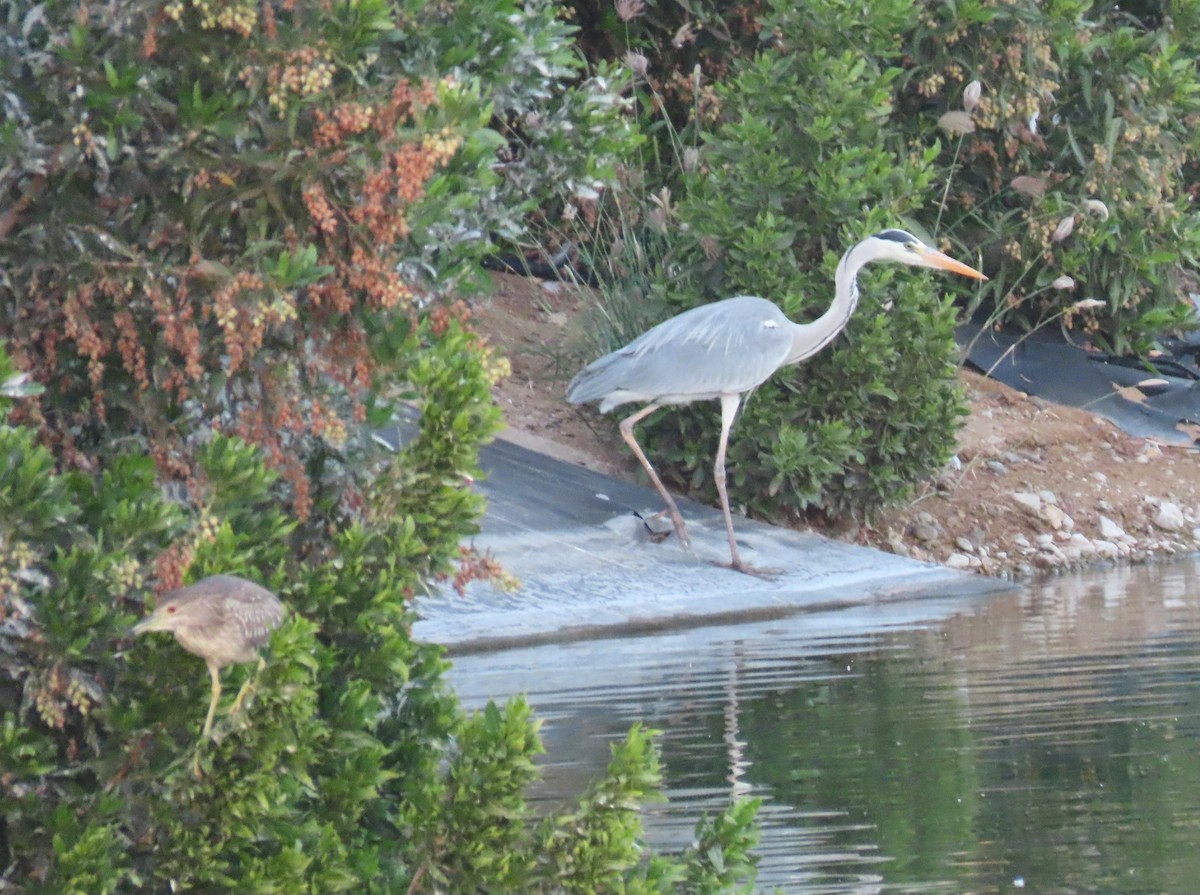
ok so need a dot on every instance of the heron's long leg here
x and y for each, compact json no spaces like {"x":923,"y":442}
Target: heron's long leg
{"x":215,"y":673}
{"x":627,"y":425}
{"x":729,"y":408}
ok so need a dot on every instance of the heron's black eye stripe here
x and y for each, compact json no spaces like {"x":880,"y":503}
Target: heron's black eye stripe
{"x":900,"y":236}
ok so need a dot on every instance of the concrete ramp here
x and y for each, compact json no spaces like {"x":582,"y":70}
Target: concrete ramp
{"x":589,"y":567}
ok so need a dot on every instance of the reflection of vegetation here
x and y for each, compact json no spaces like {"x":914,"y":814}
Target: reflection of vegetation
{"x":1088,"y":789}
{"x":876,"y":744}
{"x":1068,"y":773}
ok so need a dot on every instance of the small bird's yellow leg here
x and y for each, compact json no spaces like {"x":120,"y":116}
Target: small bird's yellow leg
{"x":246,"y":688}
{"x":215,"y":673}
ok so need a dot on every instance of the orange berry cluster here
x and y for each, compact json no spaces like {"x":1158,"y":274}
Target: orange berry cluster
{"x":375,"y":277}
{"x":347,"y":119}
{"x":305,"y":72}
{"x":476,"y":566}
{"x":130,"y":347}
{"x":327,"y":425}
{"x":243,"y":329}
{"x":172,"y":564}
{"x":320,"y":210}
{"x":404,"y":101}
{"x":80,"y":328}
{"x":221,"y":15}
{"x":174,"y":315}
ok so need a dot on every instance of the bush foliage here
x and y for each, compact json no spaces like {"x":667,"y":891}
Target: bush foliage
{"x":352,"y":767}
{"x":1075,"y":160}
{"x":1063,"y":172}
{"x":803,"y":164}
{"x":228,"y":232}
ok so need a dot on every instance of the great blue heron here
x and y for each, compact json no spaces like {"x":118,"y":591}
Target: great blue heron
{"x":725,"y":349}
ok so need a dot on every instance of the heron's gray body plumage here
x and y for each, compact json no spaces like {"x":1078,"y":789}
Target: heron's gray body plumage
{"x":727,"y":347}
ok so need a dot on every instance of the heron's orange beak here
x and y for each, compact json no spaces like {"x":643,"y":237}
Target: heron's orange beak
{"x":934,"y":258}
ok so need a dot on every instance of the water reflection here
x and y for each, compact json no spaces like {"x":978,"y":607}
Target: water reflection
{"x":1046,"y":739}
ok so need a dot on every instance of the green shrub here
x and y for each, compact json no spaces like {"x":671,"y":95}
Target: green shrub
{"x":350,"y":767}
{"x":1076,"y":157}
{"x":230,"y":228}
{"x":229,"y":214}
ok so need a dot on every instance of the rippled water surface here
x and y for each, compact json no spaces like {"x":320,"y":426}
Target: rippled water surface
{"x":1045,"y":741}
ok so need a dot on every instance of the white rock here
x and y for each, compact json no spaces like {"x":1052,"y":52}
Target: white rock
{"x":958,"y":561}
{"x":1045,"y":541}
{"x":964,"y":544}
{"x":1107,"y":549}
{"x":1054,"y":516}
{"x":925,"y":531}
{"x":1084,"y":545}
{"x":1169,"y":517}
{"x":1020,"y":540}
{"x":1048,"y":497}
{"x":1196,"y":534}
{"x":1110,"y":531}
{"x":1030,"y":502}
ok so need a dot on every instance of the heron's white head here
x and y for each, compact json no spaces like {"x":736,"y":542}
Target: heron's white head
{"x":902,"y":246}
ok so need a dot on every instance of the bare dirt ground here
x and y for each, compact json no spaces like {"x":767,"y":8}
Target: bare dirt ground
{"x":1035,"y":486}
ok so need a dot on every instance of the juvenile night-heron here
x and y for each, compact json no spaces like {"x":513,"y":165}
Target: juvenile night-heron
{"x":222,"y":619}
{"x":726,"y":349}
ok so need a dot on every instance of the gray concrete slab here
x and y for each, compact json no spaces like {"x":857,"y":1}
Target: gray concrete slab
{"x":588,"y":567}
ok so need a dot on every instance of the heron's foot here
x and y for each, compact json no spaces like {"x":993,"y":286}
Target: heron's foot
{"x":681,"y":532}
{"x":657,"y":535}
{"x":654,"y":535}
{"x":745,"y":568}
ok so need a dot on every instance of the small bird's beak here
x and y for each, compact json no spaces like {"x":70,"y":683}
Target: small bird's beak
{"x":934,"y":258}
{"x":149,"y":623}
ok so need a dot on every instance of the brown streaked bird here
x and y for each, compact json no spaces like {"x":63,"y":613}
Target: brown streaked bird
{"x":224,"y":620}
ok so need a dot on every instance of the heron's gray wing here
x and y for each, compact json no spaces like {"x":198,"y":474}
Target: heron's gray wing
{"x":729,"y":346}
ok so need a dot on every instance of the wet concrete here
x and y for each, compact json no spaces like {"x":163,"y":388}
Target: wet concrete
{"x":589,"y":568}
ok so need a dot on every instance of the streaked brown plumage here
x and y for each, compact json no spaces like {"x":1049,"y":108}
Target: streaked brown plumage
{"x":223,"y":619}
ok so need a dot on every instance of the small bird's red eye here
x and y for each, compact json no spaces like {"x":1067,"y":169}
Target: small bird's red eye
{"x":171,"y":610}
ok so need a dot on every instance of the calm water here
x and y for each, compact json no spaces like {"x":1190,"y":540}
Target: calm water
{"x":1046,"y":741}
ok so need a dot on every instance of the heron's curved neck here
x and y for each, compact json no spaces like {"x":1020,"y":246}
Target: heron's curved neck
{"x":809,"y":338}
